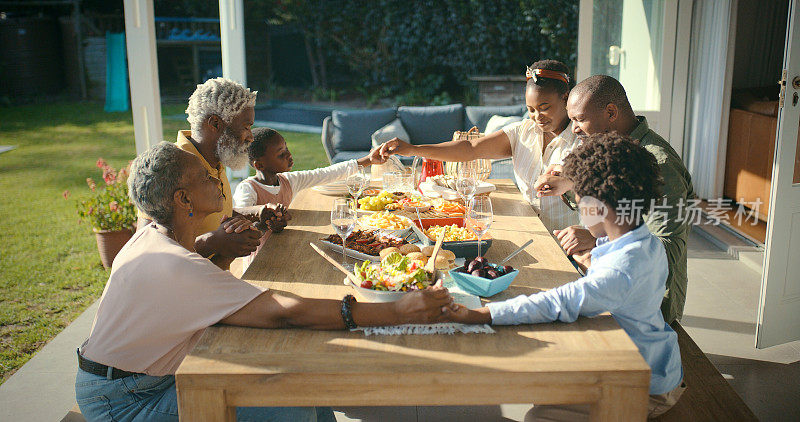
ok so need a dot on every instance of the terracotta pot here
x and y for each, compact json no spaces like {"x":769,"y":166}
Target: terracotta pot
{"x":109,"y":242}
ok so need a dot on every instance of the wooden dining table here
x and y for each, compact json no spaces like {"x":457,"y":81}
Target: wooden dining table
{"x":589,"y":361}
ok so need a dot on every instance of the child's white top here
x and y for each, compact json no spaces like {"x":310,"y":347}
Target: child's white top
{"x":245,"y":195}
{"x":627,"y":278}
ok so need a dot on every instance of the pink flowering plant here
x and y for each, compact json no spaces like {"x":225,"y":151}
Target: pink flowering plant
{"x":108,"y":206}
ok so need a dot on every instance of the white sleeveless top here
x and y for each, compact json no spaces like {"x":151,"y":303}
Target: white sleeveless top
{"x":529,"y":163}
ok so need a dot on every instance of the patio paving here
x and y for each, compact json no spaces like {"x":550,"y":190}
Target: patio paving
{"x":720,"y":317}
{"x":43,"y":389}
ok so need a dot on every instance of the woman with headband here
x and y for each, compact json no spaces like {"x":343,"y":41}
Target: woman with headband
{"x":534,"y":144}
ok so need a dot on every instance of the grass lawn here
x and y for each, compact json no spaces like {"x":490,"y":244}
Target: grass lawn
{"x":50,"y":270}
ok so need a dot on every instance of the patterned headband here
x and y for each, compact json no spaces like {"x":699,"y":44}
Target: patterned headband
{"x":535,"y":74}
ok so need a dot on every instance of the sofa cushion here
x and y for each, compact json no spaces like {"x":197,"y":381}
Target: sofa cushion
{"x":352,"y":129}
{"x":480,"y":115}
{"x":392,"y":130}
{"x":348,"y":155}
{"x":431,"y":125}
{"x":498,"y":122}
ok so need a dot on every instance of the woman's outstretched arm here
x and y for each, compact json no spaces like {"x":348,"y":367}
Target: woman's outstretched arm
{"x":493,"y":145}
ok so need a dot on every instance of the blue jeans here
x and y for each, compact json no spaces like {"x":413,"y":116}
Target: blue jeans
{"x":146,"y":398}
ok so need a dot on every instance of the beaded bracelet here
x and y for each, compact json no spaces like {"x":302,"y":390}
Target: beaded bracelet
{"x":347,"y":312}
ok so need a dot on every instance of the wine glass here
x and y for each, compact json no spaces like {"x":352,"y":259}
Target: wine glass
{"x":480,"y":217}
{"x":343,"y":220}
{"x":356,"y":183}
{"x":466,"y":181}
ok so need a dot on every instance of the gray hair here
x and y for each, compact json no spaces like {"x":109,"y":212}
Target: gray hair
{"x":154,"y":178}
{"x":221,"y":97}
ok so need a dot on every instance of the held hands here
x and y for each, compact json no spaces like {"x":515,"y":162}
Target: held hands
{"x":273,"y":217}
{"x":575,"y":239}
{"x":395,"y":146}
{"x":374,"y":157}
{"x":236,"y":224}
{"x":552,"y":183}
{"x":236,"y":236}
{"x":462,"y":314}
{"x":554,"y":169}
{"x":424,"y":306}
{"x":584,"y":259}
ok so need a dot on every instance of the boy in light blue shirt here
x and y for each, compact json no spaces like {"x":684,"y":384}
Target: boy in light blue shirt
{"x":615,"y":182}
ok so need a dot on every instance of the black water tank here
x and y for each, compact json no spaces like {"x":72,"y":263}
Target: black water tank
{"x":30,"y":57}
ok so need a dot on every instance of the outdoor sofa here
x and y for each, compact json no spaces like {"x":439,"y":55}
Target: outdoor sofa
{"x":347,"y":134}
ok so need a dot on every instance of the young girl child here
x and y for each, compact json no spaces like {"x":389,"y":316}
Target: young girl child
{"x":274,"y":181}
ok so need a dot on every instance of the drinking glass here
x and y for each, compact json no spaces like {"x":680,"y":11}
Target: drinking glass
{"x":405,"y":182}
{"x":356,"y":183}
{"x":466,"y":182}
{"x":343,"y":220}
{"x":480,"y":217}
{"x":481,"y":166}
{"x":391,"y":180}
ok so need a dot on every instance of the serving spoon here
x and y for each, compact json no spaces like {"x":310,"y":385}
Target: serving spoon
{"x":431,"y":265}
{"x":335,"y":263}
{"x":513,"y":254}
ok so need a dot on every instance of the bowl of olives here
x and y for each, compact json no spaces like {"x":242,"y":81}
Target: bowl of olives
{"x":480,"y":277}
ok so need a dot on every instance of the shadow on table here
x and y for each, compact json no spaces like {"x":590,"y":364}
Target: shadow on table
{"x":511,"y":207}
{"x":307,"y":217}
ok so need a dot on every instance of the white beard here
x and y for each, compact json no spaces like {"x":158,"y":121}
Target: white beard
{"x":231,"y":152}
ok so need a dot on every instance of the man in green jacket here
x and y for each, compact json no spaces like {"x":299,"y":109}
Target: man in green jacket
{"x":600,"y":104}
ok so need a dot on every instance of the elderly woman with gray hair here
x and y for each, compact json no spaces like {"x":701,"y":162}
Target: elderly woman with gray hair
{"x":221,"y":114}
{"x":161,"y":295}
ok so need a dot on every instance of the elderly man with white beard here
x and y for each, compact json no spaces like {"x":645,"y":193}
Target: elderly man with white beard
{"x":221,"y":114}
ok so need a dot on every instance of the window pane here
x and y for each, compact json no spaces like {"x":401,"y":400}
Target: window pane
{"x":627,"y":40}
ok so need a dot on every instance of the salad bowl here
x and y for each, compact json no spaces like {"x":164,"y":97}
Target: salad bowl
{"x":408,"y":278}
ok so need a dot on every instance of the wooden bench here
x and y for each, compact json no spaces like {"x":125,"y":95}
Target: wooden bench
{"x":708,"y":396}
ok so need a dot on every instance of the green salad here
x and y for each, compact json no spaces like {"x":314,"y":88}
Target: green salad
{"x":394,"y":273}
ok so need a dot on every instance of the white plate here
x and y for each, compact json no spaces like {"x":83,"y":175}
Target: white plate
{"x":338,"y":187}
{"x":433,"y":190}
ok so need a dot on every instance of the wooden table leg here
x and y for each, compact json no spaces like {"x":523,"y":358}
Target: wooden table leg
{"x":620,"y":403}
{"x":204,"y":405}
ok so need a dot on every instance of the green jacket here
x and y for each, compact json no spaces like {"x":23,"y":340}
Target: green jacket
{"x":677,"y":189}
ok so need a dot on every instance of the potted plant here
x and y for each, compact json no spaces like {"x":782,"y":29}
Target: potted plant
{"x":109,"y":211}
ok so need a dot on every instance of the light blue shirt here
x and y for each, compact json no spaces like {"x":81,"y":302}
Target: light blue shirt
{"x":627,"y":278}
